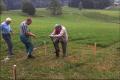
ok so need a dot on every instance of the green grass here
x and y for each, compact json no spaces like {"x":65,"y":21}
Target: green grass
{"x":84,"y":27}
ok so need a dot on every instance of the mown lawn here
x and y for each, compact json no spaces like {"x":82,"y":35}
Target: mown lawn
{"x":84,"y":27}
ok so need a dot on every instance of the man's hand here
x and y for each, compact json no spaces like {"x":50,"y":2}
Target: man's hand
{"x":31,"y":34}
{"x":51,"y":35}
{"x":54,"y":36}
{"x":34,"y":35}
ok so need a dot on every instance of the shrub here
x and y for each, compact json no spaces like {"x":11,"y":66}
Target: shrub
{"x":28,"y":8}
{"x":55,"y":7}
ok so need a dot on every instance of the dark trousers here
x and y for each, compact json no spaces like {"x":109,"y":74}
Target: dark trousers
{"x":56,"y":46}
{"x":28,"y":44}
{"x":7,"y":39}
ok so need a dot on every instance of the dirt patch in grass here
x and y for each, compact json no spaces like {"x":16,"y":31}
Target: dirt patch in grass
{"x":72,"y":59}
{"x":103,"y":67}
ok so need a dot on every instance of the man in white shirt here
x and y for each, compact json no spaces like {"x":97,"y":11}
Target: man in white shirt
{"x":59,"y":34}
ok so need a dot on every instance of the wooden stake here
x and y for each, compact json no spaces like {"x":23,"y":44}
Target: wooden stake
{"x":45,"y":47}
{"x":94,"y":49}
{"x":14,"y":72}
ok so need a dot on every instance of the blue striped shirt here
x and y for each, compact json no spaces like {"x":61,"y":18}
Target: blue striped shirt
{"x":23,"y":28}
{"x":5,"y":28}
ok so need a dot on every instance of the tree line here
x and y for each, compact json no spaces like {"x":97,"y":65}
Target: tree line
{"x":55,"y":6}
{"x":90,"y":4}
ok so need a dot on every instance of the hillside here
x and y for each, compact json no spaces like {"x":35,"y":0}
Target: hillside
{"x":85,"y":27}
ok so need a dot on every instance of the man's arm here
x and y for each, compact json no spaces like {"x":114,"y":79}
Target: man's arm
{"x":0,"y":28}
{"x":26,"y":32}
{"x":53,"y":33}
{"x":11,"y":30}
{"x":59,"y":35}
{"x":30,"y":34}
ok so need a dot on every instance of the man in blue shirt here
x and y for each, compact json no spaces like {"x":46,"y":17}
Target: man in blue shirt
{"x":25,"y":37}
{"x":5,"y":30}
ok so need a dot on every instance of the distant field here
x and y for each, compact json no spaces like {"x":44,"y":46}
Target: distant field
{"x":85,"y":27}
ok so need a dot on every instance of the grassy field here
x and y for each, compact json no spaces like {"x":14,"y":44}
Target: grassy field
{"x":84,"y":27}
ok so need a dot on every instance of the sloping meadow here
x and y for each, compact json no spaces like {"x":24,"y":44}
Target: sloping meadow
{"x":85,"y":27}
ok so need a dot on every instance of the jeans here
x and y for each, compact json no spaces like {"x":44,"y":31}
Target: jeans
{"x":28,"y":44}
{"x":7,"y":38}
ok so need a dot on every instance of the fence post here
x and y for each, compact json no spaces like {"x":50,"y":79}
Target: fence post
{"x":14,"y":72}
{"x":45,"y":47}
{"x":94,"y":48}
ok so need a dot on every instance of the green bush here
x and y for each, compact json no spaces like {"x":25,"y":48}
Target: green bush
{"x":2,"y":6}
{"x":55,"y":7}
{"x":28,"y":8}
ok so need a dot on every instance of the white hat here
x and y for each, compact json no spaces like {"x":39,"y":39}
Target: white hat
{"x":8,"y":19}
